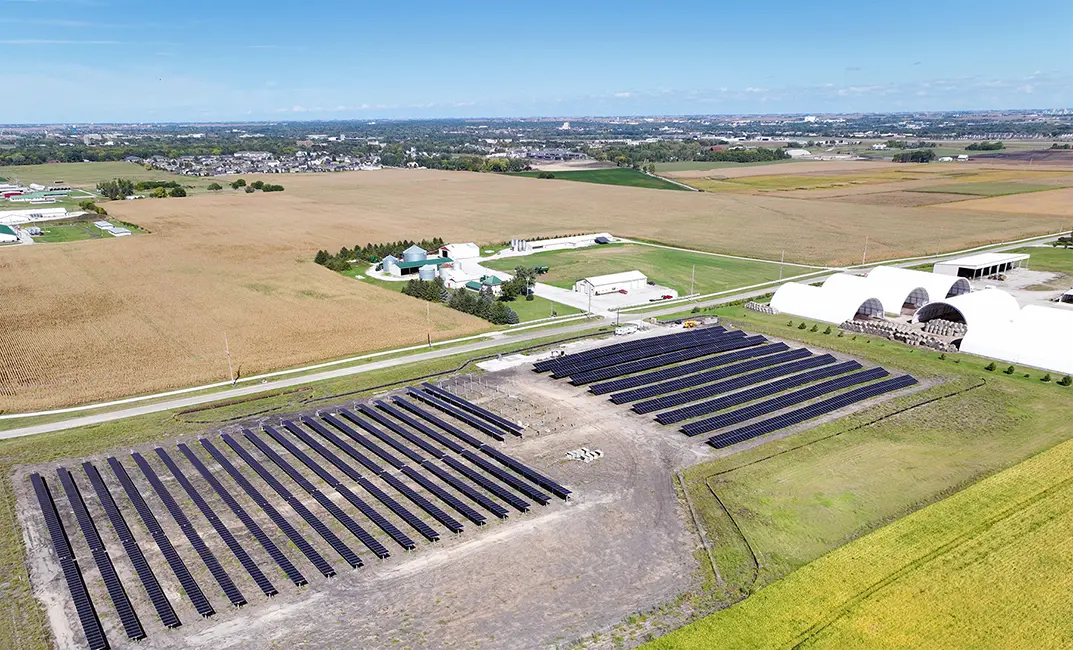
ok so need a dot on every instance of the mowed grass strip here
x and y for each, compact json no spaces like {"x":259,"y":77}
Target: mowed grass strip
{"x":990,"y":566}
{"x":618,"y":176}
{"x":986,"y":189}
{"x":670,"y":268}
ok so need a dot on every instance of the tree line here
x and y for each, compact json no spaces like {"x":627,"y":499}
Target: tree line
{"x":642,"y":156}
{"x":917,"y":156}
{"x":118,"y":188}
{"x":372,"y":253}
{"x":985,"y":146}
{"x":482,"y":304}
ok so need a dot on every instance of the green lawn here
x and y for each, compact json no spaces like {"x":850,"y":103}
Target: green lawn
{"x":669,"y":268}
{"x":688,"y":166}
{"x":794,"y":500}
{"x":87,"y":175}
{"x":617,"y":176}
{"x":53,"y":232}
{"x":1058,"y":260}
{"x":998,"y":188}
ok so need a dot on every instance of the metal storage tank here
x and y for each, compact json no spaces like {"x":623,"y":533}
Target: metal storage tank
{"x":427,"y":272}
{"x":414,"y":254}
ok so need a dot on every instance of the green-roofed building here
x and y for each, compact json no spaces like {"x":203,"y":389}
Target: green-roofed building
{"x":487,"y":281}
{"x":8,"y":234}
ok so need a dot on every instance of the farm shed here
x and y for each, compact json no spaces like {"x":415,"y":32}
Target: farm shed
{"x":982,"y":265}
{"x":467,"y":251}
{"x":900,"y":288}
{"x":1035,"y":336}
{"x":7,"y":235}
{"x":835,"y":304}
{"x":978,"y":310}
{"x":600,"y":284}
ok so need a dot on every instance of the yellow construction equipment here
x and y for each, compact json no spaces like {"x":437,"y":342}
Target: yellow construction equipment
{"x":689,"y":324}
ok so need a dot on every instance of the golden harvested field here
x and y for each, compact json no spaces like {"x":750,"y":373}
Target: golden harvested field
{"x":1054,"y":203}
{"x":805,"y":167}
{"x":84,"y":321}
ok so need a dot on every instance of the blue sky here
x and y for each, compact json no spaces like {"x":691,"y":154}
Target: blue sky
{"x":127,"y":60}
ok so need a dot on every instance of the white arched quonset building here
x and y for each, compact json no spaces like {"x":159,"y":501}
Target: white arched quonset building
{"x":998,"y":328}
{"x":826,"y":304}
{"x":885,"y":290}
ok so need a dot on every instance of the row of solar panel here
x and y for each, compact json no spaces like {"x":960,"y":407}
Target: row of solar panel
{"x":653,"y":346}
{"x":751,"y":348}
{"x":729,"y":341}
{"x":164,"y":610}
{"x":607,"y":350}
{"x":782,"y":401}
{"x":811,"y":411}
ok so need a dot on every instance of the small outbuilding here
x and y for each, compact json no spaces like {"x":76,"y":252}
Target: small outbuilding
{"x":8,"y":235}
{"x":615,"y":282}
{"x":467,"y":251}
{"x":981,"y":265}
{"x":490,"y":282}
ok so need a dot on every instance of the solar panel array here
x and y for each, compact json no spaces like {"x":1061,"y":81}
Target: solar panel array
{"x":811,"y":411}
{"x":395,"y":452}
{"x":685,"y":376}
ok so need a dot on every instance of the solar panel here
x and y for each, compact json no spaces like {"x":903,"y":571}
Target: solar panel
{"x":456,"y":413}
{"x":131,"y":625}
{"x":607,"y":350}
{"x":747,"y":348}
{"x":493,"y":487}
{"x":402,"y":431}
{"x":171,"y":556}
{"x":381,"y":436}
{"x":293,"y":574}
{"x":782,"y":401}
{"x":757,"y":392}
{"x":292,"y":534}
{"x":658,"y":361}
{"x":342,"y":517}
{"x":384,"y":455}
{"x":769,"y":368}
{"x":226,"y":584}
{"x":526,"y":471}
{"x":466,"y":489}
{"x":444,"y":495}
{"x":534,"y":494}
{"x":413,"y":520}
{"x":660,"y":345}
{"x":344,"y":551}
{"x":130,"y":546}
{"x":343,"y":445}
{"x":810,"y":411}
{"x":428,"y":431}
{"x":401,"y":538}
{"x":262,"y":581}
{"x":87,"y":615}
{"x":418,"y":500}
{"x":466,"y":405}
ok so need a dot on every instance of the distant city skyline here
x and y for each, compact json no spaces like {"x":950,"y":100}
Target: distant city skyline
{"x":80,"y":61}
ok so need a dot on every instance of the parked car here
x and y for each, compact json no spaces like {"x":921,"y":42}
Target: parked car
{"x":668,"y":297}
{"x":623,"y":291}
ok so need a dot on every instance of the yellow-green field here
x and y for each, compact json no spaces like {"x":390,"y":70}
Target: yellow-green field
{"x":989,"y":567}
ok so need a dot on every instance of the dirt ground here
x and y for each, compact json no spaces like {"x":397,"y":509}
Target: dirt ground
{"x":806,"y":167}
{"x":1052,"y":203}
{"x":545,"y":579}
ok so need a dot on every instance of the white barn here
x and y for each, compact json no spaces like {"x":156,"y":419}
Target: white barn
{"x":601,"y":284}
{"x":836,"y":304}
{"x":467,"y":251}
{"x":981,"y":265}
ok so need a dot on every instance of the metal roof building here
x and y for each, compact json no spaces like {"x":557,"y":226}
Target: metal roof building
{"x":899,"y":288}
{"x":7,"y":234}
{"x":978,"y":310}
{"x":600,"y":284}
{"x":982,"y":265}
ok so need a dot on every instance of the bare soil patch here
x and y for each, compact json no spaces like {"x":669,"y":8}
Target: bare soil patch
{"x":1051,"y":203}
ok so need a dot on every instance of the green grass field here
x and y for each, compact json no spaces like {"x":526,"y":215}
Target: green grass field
{"x":789,"y":502}
{"x":669,"y":268}
{"x":1046,"y":258}
{"x":67,"y":231}
{"x":986,"y":189}
{"x":618,"y":176}
{"x":689,"y":166}
{"x":87,"y":175}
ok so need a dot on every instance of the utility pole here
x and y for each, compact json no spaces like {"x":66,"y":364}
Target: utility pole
{"x":782,"y":260}
{"x":692,"y":278}
{"x":864,"y":257}
{"x":428,"y":321}
{"x":230,"y":369}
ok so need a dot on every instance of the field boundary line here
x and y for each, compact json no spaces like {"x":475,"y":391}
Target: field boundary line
{"x":640,"y":242}
{"x":701,"y":532}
